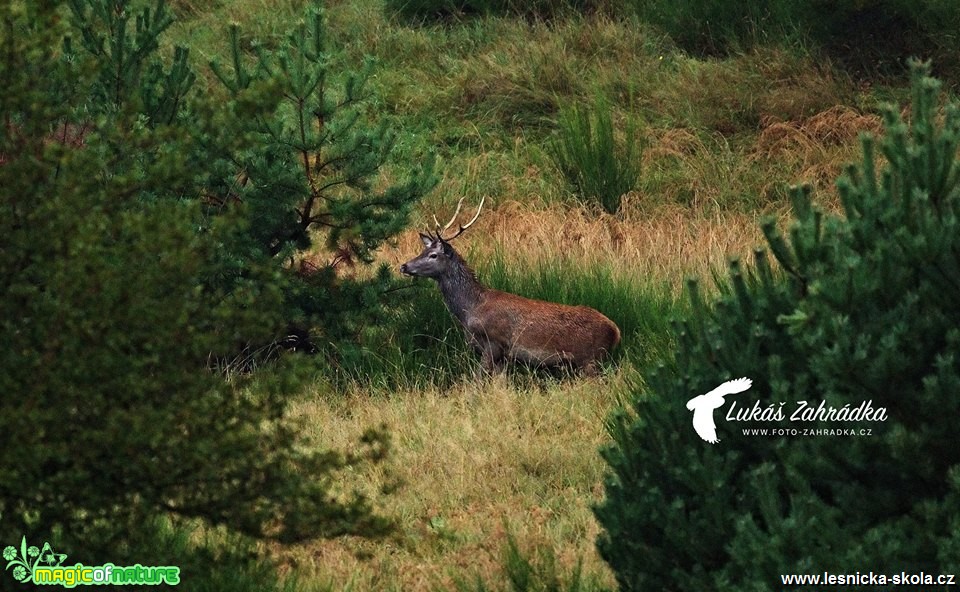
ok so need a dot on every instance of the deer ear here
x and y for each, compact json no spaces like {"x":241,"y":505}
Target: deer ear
{"x":427,"y":239}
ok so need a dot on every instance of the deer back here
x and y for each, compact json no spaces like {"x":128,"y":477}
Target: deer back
{"x":542,"y":332}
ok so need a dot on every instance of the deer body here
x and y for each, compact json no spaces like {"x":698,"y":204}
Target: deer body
{"x":505,"y":326}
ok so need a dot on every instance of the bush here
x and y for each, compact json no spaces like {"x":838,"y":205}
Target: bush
{"x":307,"y":172}
{"x":594,"y":162}
{"x":863,"y":309}
{"x":282,"y":144}
{"x":114,"y":303}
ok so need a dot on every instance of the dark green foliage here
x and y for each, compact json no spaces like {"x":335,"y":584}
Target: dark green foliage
{"x":114,"y":304}
{"x":863,"y":309}
{"x":308,"y":175}
{"x":715,"y":27}
{"x":879,"y":36}
{"x":869,"y":36}
{"x":210,"y":560}
{"x":597,"y":164}
{"x":425,"y":10}
{"x":130,"y":71}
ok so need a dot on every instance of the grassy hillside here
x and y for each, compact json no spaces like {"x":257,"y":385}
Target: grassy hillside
{"x":485,"y":92}
{"x":478,"y":459}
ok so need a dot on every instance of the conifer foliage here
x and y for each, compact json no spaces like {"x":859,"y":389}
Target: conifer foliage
{"x":309,"y":173}
{"x":145,"y":231}
{"x":863,"y":308}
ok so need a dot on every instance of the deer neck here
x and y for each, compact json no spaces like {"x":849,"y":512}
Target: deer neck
{"x":461,"y":291}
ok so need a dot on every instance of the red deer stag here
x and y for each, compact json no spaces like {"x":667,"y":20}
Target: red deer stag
{"x":505,"y":326}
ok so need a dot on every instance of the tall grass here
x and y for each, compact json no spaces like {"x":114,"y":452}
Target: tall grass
{"x":718,"y":27}
{"x":641,"y":307}
{"x":597,"y":164}
{"x":421,"y":346}
{"x":210,"y":559}
{"x":424,"y":345}
{"x":479,"y":461}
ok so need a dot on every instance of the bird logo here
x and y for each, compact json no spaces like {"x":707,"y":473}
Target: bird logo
{"x":704,"y":405}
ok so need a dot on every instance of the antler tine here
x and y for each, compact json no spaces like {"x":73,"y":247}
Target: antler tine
{"x":470,"y":223}
{"x":440,"y":230}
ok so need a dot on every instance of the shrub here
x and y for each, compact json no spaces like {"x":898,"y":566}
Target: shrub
{"x":287,"y":149}
{"x":593,"y":161}
{"x":114,"y":303}
{"x":863,"y":309}
{"x":308,"y":176}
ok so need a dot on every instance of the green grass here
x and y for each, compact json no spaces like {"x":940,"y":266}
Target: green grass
{"x":424,"y":345}
{"x":210,"y":560}
{"x":419,"y":11}
{"x":485,"y":93}
{"x":535,"y":571}
{"x":600,"y":166}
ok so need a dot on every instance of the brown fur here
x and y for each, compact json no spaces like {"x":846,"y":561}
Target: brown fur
{"x":505,"y":326}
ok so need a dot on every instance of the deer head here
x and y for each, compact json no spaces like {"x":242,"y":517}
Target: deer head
{"x":438,"y":258}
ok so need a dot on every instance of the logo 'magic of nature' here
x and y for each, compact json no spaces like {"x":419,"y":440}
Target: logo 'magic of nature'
{"x":44,"y":567}
{"x":704,"y":405}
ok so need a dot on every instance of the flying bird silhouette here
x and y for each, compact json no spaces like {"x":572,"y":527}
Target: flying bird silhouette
{"x":704,"y":405}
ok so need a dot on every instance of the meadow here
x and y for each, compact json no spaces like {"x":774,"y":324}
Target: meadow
{"x":485,"y":464}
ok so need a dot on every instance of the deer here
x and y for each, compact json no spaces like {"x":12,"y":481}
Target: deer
{"x":507,"y":327}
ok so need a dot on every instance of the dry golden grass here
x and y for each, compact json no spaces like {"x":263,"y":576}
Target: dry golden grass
{"x":476,"y":462}
{"x":820,"y":144}
{"x":666,"y":244}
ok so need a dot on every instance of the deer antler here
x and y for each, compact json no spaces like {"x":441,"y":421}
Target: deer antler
{"x":463,"y":227}
{"x":452,"y":220}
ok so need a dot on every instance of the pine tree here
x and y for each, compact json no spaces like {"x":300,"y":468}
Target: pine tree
{"x":308,"y":178}
{"x":862,"y":307}
{"x":121,"y":283}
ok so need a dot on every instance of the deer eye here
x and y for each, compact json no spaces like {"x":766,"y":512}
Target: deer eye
{"x":433,"y":255}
